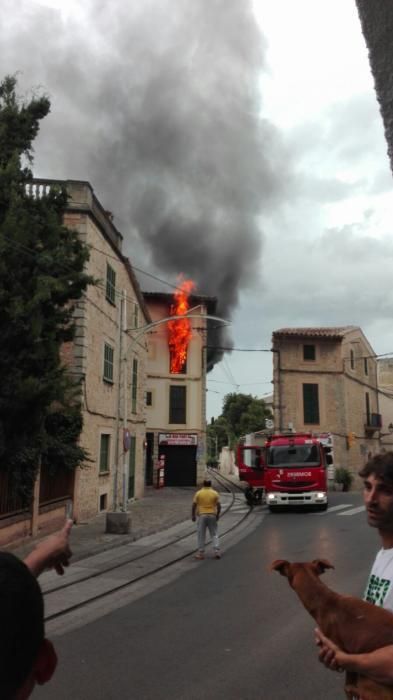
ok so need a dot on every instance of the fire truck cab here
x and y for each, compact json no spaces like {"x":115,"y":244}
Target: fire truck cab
{"x":251,"y":465}
{"x":296,"y":471}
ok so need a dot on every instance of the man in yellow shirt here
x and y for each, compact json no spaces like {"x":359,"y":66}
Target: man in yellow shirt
{"x":207,"y":506}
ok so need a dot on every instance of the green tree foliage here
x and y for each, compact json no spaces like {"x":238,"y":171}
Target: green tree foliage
{"x":217,"y":438}
{"x":244,"y":413}
{"x":241,"y":414}
{"x":41,"y":277}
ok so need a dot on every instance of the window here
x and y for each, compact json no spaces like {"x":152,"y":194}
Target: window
{"x":310,"y":404}
{"x":368,"y":413}
{"x":131,"y":474}
{"x":135,"y":318}
{"x":110,"y":284}
{"x":103,"y":501}
{"x":301,"y":455}
{"x":134,"y":385}
{"x":108,"y":363}
{"x":177,"y":404}
{"x":176,"y":365}
{"x":308,"y":352}
{"x":352,"y":359}
{"x":365,"y":367}
{"x":104,"y":453}
{"x":149,"y":398}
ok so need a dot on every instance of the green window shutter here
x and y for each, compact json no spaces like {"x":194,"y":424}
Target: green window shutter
{"x":110,"y":284}
{"x":311,"y":404}
{"x":108,"y":363}
{"x":135,"y":318}
{"x":132,"y":462}
{"x":104,"y":453}
{"x":134,"y":385}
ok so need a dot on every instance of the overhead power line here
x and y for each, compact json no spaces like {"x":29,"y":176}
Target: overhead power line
{"x":30,"y":251}
{"x":223,"y":347}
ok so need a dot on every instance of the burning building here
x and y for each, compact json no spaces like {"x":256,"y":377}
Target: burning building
{"x":176,"y":386}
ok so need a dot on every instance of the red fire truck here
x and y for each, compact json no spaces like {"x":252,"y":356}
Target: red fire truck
{"x":290,"y":470}
{"x":251,"y":465}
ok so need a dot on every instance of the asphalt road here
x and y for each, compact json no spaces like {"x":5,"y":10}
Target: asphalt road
{"x":228,"y":629}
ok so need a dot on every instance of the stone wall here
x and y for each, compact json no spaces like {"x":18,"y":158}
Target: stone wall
{"x":342,"y":392}
{"x":105,"y":403}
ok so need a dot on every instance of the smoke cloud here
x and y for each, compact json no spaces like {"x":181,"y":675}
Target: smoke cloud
{"x":157,"y":104}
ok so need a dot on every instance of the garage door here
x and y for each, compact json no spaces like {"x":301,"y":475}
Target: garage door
{"x":180,"y":465}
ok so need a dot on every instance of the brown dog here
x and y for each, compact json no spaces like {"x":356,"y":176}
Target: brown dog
{"x":353,"y":624}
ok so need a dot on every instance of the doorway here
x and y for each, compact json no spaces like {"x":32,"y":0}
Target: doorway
{"x":180,"y":464}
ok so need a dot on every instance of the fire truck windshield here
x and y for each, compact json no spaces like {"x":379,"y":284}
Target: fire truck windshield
{"x":289,"y":455}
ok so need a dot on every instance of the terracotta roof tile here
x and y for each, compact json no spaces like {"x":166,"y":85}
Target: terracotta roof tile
{"x":337,"y":332}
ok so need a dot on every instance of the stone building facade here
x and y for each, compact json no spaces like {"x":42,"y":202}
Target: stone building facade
{"x":385,"y":386}
{"x":108,"y":359}
{"x":110,"y":366}
{"x":176,"y":402}
{"x":325,"y":381}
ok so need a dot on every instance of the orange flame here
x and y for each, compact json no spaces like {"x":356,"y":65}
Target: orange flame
{"x":180,"y":331}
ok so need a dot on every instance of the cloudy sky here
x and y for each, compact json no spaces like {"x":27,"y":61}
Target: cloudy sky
{"x":236,"y":141}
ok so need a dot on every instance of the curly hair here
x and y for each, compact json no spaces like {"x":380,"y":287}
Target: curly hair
{"x":381,"y":465}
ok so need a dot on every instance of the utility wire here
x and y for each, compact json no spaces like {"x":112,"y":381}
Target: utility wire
{"x":223,"y":347}
{"x":218,"y":381}
{"x":30,"y":251}
{"x":67,"y":268}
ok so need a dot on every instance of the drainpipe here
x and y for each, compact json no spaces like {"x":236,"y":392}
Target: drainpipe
{"x":279,"y":388}
{"x":378,"y":411}
{"x":125,"y":470}
{"x":117,"y":428}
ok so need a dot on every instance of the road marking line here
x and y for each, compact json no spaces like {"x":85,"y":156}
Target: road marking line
{"x":353,"y":511}
{"x":340,"y":507}
{"x":333,"y":509}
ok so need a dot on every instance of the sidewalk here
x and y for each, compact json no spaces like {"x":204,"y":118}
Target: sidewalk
{"x":157,"y":510}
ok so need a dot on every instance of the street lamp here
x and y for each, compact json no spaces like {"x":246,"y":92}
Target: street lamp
{"x":118,"y":521}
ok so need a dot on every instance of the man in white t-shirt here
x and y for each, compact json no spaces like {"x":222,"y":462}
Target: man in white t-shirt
{"x":377,"y":476}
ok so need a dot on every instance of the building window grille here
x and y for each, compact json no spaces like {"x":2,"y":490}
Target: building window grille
{"x":108,"y":363}
{"x":311,"y":404}
{"x":110,"y":284}
{"x":177,"y":404}
{"x":104,"y":453}
{"x":308,"y":352}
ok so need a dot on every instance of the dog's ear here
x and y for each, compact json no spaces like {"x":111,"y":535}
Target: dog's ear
{"x":280,"y":565}
{"x":320,"y":565}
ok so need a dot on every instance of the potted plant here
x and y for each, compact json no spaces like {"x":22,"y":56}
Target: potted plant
{"x":344,"y":477}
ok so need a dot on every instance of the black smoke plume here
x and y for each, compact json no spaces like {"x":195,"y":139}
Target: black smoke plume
{"x":157,"y":104}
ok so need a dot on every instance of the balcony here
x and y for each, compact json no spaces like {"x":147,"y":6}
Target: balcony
{"x":372,"y":423}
